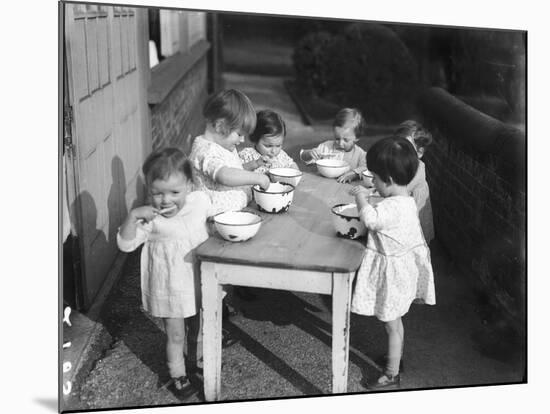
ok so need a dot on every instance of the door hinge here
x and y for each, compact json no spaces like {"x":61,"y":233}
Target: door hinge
{"x":67,"y":129}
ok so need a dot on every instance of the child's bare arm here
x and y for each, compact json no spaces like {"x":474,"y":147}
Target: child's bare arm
{"x":263,"y":161}
{"x":361,"y":195}
{"x":234,"y":177}
{"x":129,"y":226}
{"x":309,"y":156}
{"x":250,"y":165}
{"x":347,"y":177}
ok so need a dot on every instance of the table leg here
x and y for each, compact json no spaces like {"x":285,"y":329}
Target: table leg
{"x":341,"y":295}
{"x":212,"y":327}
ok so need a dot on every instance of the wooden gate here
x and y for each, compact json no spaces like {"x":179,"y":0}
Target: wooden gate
{"x":108,"y":71}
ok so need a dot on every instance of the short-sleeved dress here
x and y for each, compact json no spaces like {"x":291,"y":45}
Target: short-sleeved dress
{"x":282,"y":160}
{"x":208,"y":158}
{"x":356,"y":158}
{"x":420,"y":191}
{"x":396,"y":269}
{"x":169,"y":283}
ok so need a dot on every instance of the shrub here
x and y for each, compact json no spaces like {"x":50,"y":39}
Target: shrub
{"x":366,"y":66}
{"x":310,"y":61}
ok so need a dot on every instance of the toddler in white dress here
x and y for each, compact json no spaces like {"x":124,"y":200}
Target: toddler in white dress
{"x":170,"y":228}
{"x":396,"y":269}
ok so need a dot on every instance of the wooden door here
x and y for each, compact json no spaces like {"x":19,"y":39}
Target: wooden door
{"x":107,"y":91}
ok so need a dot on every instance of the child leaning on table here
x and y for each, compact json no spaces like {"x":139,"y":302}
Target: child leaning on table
{"x":396,"y":269}
{"x":219,"y":171}
{"x":170,"y":228}
{"x":347,"y":126}
{"x":229,"y":116}
{"x":268,"y":137}
{"x":418,"y":187}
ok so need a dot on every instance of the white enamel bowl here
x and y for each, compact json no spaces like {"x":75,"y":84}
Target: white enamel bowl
{"x":367,"y":177}
{"x":332,"y":168}
{"x":285,"y":175}
{"x":276,"y":199}
{"x":237,"y":226}
{"x":345,"y":219}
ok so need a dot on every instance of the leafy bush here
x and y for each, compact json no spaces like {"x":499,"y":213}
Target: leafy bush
{"x":310,"y":61}
{"x":366,"y":66}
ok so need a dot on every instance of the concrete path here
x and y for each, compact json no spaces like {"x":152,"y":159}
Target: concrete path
{"x":285,"y":337}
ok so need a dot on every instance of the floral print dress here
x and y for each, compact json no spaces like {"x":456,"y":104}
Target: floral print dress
{"x":208,"y":158}
{"x":396,"y":269}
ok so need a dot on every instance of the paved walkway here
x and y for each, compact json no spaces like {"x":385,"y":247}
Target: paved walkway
{"x":285,"y":337}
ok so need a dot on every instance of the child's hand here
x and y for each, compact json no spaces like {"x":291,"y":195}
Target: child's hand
{"x":263,"y":181}
{"x":263,"y":161}
{"x":146,"y":213}
{"x":361,"y":196}
{"x":359,"y":190}
{"x":315,"y":155}
{"x":347,"y":177}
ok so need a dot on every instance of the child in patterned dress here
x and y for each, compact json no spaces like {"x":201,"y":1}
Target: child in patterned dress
{"x":347,"y":126}
{"x":229,"y":116}
{"x":170,"y":228}
{"x":396,"y":269}
{"x":219,"y":171}
{"x":418,"y":187}
{"x":268,"y":137}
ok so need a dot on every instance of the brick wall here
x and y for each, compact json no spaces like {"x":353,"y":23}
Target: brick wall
{"x":178,"y":119}
{"x":479,"y":216}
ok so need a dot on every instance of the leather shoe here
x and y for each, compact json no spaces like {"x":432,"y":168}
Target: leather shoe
{"x":385,"y":381}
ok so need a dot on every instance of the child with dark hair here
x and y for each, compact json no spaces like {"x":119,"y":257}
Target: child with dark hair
{"x":169,"y":227}
{"x":418,"y":187}
{"x":267,"y":138}
{"x":348,"y":124}
{"x":396,"y":269}
{"x":230,"y":117}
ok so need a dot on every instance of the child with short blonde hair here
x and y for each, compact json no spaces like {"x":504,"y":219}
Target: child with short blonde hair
{"x":347,"y":126}
{"x":229,"y":116}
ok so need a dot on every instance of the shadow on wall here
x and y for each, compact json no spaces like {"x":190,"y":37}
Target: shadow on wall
{"x":89,"y":255}
{"x":116,"y":203}
{"x":93,"y":247}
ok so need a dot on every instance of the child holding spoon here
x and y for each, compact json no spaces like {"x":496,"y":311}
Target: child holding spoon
{"x":170,"y":228}
{"x":268,"y":137}
{"x":219,"y":171}
{"x":347,"y":126}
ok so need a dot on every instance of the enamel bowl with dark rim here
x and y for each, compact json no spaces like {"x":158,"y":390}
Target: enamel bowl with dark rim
{"x":276,"y":199}
{"x":332,"y":168}
{"x":285,"y":175}
{"x":345,"y":219}
{"x":237,"y":226}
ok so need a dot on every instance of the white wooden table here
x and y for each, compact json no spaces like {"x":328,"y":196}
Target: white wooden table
{"x":297,"y":251}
